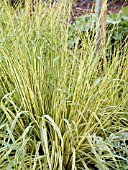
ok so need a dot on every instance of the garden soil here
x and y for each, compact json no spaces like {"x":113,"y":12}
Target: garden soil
{"x":83,"y":7}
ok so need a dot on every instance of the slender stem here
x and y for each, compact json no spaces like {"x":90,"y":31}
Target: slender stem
{"x":101,"y":8}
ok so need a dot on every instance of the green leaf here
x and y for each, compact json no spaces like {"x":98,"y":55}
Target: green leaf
{"x":113,"y":19}
{"x":124,"y":11}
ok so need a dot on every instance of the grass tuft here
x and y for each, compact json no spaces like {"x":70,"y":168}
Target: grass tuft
{"x":59,"y":108}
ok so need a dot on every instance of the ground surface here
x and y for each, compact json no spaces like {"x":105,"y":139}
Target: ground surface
{"x":82,"y":7}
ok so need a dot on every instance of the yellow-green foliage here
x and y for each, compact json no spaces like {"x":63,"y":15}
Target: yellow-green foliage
{"x":59,"y":109}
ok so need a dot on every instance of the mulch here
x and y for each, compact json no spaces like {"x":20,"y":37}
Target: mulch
{"x":83,"y":7}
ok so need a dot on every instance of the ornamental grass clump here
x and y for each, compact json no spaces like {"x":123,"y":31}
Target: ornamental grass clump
{"x":59,"y":110}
